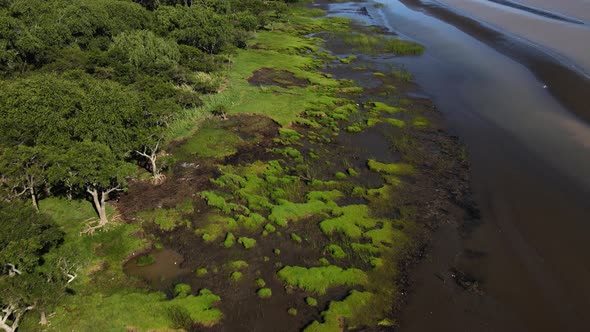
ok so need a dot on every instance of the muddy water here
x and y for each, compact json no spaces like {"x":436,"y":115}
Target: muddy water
{"x":527,"y":259}
{"x":162,"y":273}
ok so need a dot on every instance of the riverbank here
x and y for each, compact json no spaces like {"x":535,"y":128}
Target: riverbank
{"x":300,"y":203}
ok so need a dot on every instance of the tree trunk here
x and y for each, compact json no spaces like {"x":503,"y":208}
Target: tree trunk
{"x":43,"y":320}
{"x":155,"y":170}
{"x":99,"y":204}
{"x":34,"y":198}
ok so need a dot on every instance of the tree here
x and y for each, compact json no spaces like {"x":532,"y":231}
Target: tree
{"x":94,"y":169}
{"x":23,"y":171}
{"x":28,"y":281}
{"x":145,"y":51}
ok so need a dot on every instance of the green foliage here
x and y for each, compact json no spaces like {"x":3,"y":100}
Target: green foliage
{"x":141,"y":310}
{"x":340,"y":175}
{"x":238,"y":265}
{"x":230,"y":239}
{"x":353,"y":221}
{"x":339,"y":310}
{"x":247,"y":242}
{"x":292,"y":311}
{"x":325,"y":196}
{"x":145,"y":260}
{"x":166,"y":219}
{"x":235,"y":276}
{"x":319,"y":279}
{"x":352,"y":172}
{"x":30,"y":273}
{"x":182,"y":290}
{"x":269,"y":228}
{"x":311,"y":301}
{"x":392,"y":169}
{"x":209,"y":141}
{"x":201,"y":271}
{"x":376,"y":44}
{"x":259,"y":282}
{"x":296,"y":238}
{"x":264,"y":293}
{"x":287,"y":211}
{"x":336,"y":251}
{"x":144,"y":51}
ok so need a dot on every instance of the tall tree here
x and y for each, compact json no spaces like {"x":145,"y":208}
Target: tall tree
{"x":27,"y":280}
{"x":92,"y":168}
{"x":23,"y":171}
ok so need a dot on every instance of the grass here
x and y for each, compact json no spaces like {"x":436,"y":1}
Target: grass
{"x":380,"y":107}
{"x":339,"y":311}
{"x":296,"y":238}
{"x":146,"y":260}
{"x":319,"y":279}
{"x":182,"y":290}
{"x":236,"y":276}
{"x":288,"y":211}
{"x":336,"y":251}
{"x":238,"y":265}
{"x":211,"y":141}
{"x":311,"y":301}
{"x":264,"y":293}
{"x":379,"y":44}
{"x":259,"y":282}
{"x":353,"y":222}
{"x":325,"y":196}
{"x":166,"y":219}
{"x":391,"y":169}
{"x":230,"y":240}
{"x":142,"y":311}
{"x":247,"y":242}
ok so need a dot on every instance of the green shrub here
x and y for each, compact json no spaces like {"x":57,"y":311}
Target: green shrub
{"x":311,"y":301}
{"x":292,"y":311}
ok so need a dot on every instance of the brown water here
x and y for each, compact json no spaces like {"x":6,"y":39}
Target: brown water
{"x":530,"y":158}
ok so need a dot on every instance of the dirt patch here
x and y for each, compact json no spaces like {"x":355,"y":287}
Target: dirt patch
{"x":270,"y":76}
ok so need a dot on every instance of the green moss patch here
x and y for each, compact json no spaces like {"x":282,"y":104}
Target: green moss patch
{"x":353,"y":222}
{"x":210,"y":141}
{"x":287,"y":211}
{"x":264,"y":293}
{"x":340,"y":310}
{"x":319,"y":279}
{"x":247,"y":242}
{"x":391,"y":169}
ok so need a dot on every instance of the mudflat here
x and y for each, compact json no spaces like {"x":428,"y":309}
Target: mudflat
{"x":563,"y":39}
